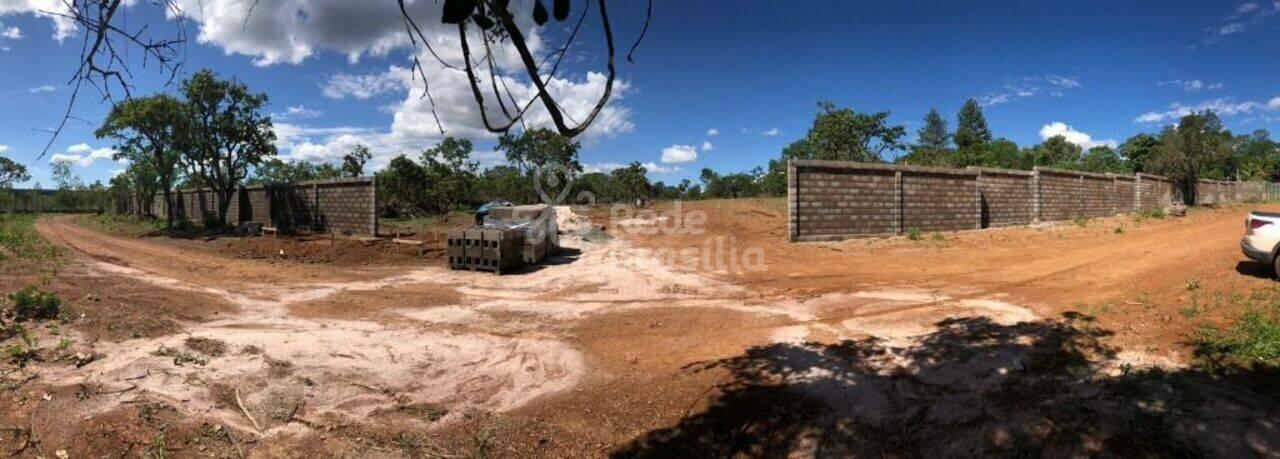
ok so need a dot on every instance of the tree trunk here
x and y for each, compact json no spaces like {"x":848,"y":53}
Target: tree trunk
{"x":224,"y":204}
{"x":168,"y":205}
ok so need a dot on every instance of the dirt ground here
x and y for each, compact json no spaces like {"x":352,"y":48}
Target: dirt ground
{"x":711,"y":337}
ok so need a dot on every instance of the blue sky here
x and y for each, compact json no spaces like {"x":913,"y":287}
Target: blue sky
{"x":752,"y":71}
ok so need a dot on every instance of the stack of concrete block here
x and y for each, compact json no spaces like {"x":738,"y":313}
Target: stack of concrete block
{"x":480,"y":249}
{"x":537,"y":222}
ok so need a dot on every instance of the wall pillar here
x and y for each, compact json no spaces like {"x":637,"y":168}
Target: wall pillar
{"x":899,"y":207}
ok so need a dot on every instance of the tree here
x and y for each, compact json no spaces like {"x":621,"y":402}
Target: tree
{"x":774,"y":181}
{"x":353,"y":162}
{"x":846,"y":135}
{"x":971,"y":126}
{"x":448,"y":172}
{"x":1055,"y":152}
{"x":1103,"y":158}
{"x":1186,"y":150}
{"x":533,"y":149}
{"x":402,"y":187}
{"x":229,"y":134}
{"x":156,"y":130}
{"x":631,"y":181}
{"x":11,"y":172}
{"x":1137,"y":151}
{"x":1255,"y":156}
{"x":142,"y":179}
{"x":275,"y":170}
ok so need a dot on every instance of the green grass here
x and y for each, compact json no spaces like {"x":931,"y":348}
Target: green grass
{"x":1253,"y":339}
{"x":1081,"y":221}
{"x":424,"y":224}
{"x":914,"y":234}
{"x":122,"y":224}
{"x":19,"y":239}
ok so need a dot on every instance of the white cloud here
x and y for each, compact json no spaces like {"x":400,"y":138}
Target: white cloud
{"x":364,"y":86}
{"x":4,"y":148}
{"x":652,"y":168}
{"x":713,"y":132}
{"x":298,"y":112}
{"x":708,"y":146}
{"x":1084,"y":140}
{"x":12,"y":33}
{"x":1220,"y":106}
{"x":771,"y":132}
{"x":83,"y":155}
{"x":1190,"y":85}
{"x":63,"y":27}
{"x":1245,"y":17}
{"x":679,"y":154}
{"x":44,"y":88}
{"x":1028,"y":87}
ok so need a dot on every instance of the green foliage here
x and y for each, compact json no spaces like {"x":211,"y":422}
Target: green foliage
{"x":228,"y":134}
{"x":846,"y":135}
{"x":914,"y":234}
{"x":1056,"y":152}
{"x":971,"y":126}
{"x":152,"y":132}
{"x":738,"y":185}
{"x":11,"y":172}
{"x":353,"y":162}
{"x":1103,"y":159}
{"x":630,"y":181}
{"x":536,"y":148}
{"x":19,"y":239}
{"x":1191,"y":148}
{"x":1137,"y":151}
{"x":1081,"y":221}
{"x":275,"y":170}
{"x":122,"y":224}
{"x":1253,"y":339}
{"x":32,"y":304}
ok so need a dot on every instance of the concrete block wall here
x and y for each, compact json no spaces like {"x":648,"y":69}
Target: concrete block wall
{"x":1153,"y":192}
{"x":836,"y":200}
{"x":832,"y":200}
{"x":344,"y":205}
{"x":1006,"y":197}
{"x":940,"y":200}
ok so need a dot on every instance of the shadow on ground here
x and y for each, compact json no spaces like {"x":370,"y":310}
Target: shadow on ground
{"x":971,"y":388}
{"x":1255,"y":269}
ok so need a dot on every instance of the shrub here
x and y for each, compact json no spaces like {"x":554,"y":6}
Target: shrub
{"x":32,"y":304}
{"x":914,"y":234}
{"x":1081,"y":221}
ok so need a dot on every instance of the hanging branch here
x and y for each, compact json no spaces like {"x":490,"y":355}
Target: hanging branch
{"x":102,"y":65}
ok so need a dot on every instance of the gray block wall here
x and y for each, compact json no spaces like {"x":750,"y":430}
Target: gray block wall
{"x":344,"y":205}
{"x":832,"y":200}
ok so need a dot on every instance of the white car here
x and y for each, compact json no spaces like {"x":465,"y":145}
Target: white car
{"x":1262,"y":238}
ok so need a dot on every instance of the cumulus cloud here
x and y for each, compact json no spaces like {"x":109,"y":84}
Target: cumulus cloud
{"x":1220,"y":106}
{"x":4,"y":148}
{"x":12,"y":33}
{"x":63,"y":27}
{"x":362,"y":87}
{"x":1082,"y":139}
{"x":708,"y":146}
{"x":679,"y":154}
{"x":713,"y":132}
{"x":1028,"y":87}
{"x":771,"y":132}
{"x":82,"y":155}
{"x":299,"y":112}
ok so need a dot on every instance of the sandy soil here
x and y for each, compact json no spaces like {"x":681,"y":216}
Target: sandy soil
{"x":618,"y":348}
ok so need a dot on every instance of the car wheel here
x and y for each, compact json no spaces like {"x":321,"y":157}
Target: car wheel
{"x":1275,"y":267}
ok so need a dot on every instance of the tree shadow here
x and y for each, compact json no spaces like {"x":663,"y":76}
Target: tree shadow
{"x":972,"y":387}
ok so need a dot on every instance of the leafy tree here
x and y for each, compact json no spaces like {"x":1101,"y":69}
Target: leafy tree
{"x":402,"y":187}
{"x":353,"y":162}
{"x":11,"y":172}
{"x":846,"y":135}
{"x":1103,"y":159}
{"x":275,"y":170}
{"x":1255,"y":156}
{"x":932,"y":143}
{"x":971,"y":126}
{"x":739,"y":185}
{"x":1137,"y":151}
{"x":774,"y":181}
{"x":631,"y":181}
{"x":64,"y":177}
{"x":448,"y":171}
{"x":142,"y":179}
{"x":536,"y":148}
{"x":156,"y":129}
{"x":1055,"y":152}
{"x":229,"y":134}
{"x":1191,"y":147}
